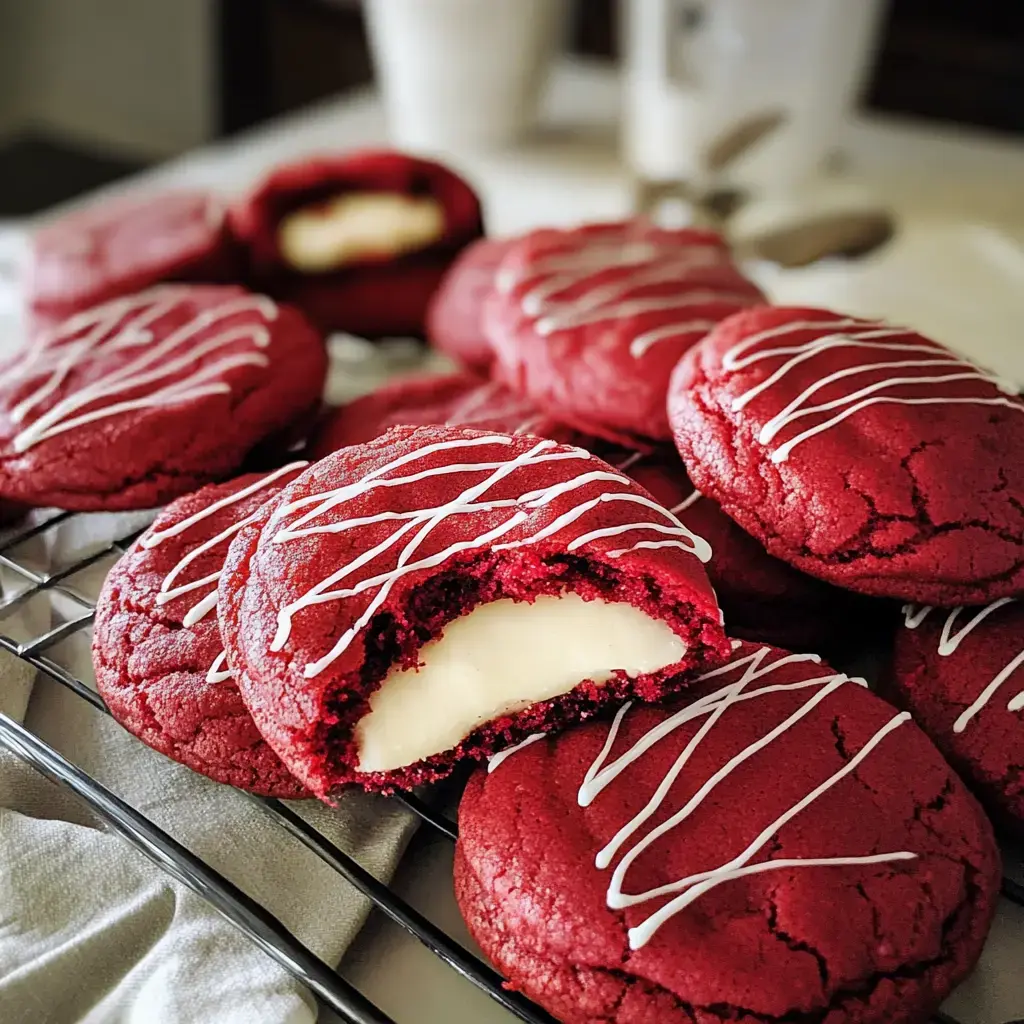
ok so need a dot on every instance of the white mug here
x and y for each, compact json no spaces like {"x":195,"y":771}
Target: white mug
{"x":693,"y":68}
{"x":462,"y":74}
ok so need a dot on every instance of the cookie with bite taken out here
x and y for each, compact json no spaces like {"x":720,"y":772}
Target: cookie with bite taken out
{"x":437,"y":594}
{"x":360,"y":241}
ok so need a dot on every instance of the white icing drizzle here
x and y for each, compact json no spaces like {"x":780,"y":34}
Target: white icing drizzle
{"x":416,"y":525}
{"x":476,"y":406}
{"x":217,"y":673}
{"x":156,"y":537}
{"x":578,"y":317}
{"x":642,"y":342}
{"x":205,"y":605}
{"x":645,"y":264}
{"x":596,"y":254}
{"x":476,"y":409}
{"x":631,"y":460}
{"x":528,"y":426}
{"x":871,"y":337}
{"x":914,"y":615}
{"x":951,"y":641}
{"x":627,"y":463}
{"x":687,"y":502}
{"x":657,"y":266}
{"x":713,"y":707}
{"x":649,"y":545}
{"x":125,"y":325}
{"x":496,"y":759}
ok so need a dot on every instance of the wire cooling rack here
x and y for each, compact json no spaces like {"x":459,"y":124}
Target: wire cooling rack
{"x":266,"y":931}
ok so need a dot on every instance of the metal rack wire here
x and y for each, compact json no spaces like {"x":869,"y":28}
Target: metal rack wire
{"x":261,"y":927}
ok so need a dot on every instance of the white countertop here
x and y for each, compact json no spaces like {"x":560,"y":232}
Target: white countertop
{"x":956,"y":269}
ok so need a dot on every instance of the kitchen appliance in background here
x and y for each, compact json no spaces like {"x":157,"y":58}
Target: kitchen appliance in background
{"x":694,"y":69}
{"x":463,"y":74}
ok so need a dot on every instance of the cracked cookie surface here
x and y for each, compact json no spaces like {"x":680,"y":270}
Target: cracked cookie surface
{"x":163,"y":675}
{"x":861,"y":453}
{"x":571,"y":848}
{"x":961,"y":673}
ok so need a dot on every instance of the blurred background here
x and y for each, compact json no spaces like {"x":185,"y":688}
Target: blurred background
{"x":91,"y":90}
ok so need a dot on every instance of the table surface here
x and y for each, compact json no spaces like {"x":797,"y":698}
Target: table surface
{"x":955,"y":269}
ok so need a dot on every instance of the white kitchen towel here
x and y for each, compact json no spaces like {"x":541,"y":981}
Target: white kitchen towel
{"x":92,"y":932}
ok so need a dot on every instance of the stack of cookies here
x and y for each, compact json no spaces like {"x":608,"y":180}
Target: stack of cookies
{"x":602,"y":561}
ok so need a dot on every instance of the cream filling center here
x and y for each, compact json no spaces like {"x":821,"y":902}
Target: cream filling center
{"x":501,"y":658}
{"x":358,"y":226}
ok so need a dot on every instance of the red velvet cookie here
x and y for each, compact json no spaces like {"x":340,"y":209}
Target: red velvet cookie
{"x":455,"y":399}
{"x":762,"y":598}
{"x":455,"y":317}
{"x":861,"y":453}
{"x":157,"y":648}
{"x":589,"y":323}
{"x":961,"y":673}
{"x":147,"y":397}
{"x":359,"y":242}
{"x":785,"y":847}
{"x":123,"y":246}
{"x":437,"y":594}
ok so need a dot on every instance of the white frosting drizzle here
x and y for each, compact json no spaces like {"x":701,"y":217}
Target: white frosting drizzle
{"x":578,"y":317}
{"x":418,"y":524}
{"x":125,"y":324}
{"x":646,"y":263}
{"x":156,"y":537}
{"x":478,"y":402}
{"x":528,"y":426}
{"x":496,"y":759}
{"x":631,"y":460}
{"x":642,"y":342}
{"x":871,"y":337}
{"x":687,"y":502}
{"x":596,"y":254}
{"x":713,"y":707}
{"x":914,"y":615}
{"x":476,"y":409}
{"x":205,"y":605}
{"x":217,"y":673}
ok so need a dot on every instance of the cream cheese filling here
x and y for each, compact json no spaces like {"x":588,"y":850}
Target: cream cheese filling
{"x":360,"y":225}
{"x":499,"y":659}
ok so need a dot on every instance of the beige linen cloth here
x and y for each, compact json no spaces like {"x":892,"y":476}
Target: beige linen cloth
{"x":90,"y":930}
